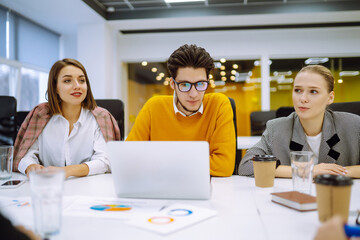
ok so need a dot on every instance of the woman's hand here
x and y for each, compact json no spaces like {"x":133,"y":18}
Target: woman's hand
{"x":67,"y":174}
{"x":329,"y":168}
{"x":33,"y":167}
{"x":78,"y":170}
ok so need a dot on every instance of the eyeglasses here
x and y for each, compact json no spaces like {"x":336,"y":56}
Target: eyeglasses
{"x":186,"y":86}
{"x":358,"y":218}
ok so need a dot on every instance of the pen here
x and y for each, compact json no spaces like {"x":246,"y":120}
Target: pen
{"x":352,"y":231}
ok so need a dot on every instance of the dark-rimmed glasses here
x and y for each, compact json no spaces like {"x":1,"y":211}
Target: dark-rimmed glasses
{"x":186,"y":86}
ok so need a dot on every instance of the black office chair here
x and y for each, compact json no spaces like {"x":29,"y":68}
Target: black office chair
{"x":238,"y":152}
{"x":8,"y":129}
{"x":116,"y":108}
{"x":284,"y":111}
{"x":20,"y":118}
{"x":258,"y":121}
{"x":350,"y":107}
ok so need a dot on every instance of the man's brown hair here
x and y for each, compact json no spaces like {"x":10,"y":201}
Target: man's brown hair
{"x":189,"y":56}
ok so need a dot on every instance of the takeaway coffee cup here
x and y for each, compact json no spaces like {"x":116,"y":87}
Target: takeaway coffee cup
{"x":264,"y":170}
{"x":333,"y":196}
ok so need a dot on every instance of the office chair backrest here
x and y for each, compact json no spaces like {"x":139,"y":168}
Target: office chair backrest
{"x":350,"y":107}
{"x":258,"y":121}
{"x":237,"y":153}
{"x":20,"y":118}
{"x":116,"y":108}
{"x":284,"y":111}
{"x":8,"y":128}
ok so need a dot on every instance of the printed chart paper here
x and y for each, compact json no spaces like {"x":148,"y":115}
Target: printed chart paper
{"x":117,"y":208}
{"x":171,"y":218}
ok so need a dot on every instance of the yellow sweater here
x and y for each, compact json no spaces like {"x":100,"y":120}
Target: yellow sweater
{"x":157,"y":121}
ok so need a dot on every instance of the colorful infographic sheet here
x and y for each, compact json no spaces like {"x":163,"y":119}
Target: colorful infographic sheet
{"x":118,"y":208}
{"x":172,"y":218}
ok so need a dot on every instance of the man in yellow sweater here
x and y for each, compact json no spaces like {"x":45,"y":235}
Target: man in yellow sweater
{"x":190,"y":115}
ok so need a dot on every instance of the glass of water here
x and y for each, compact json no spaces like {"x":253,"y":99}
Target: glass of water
{"x":6,"y":161}
{"x":302,"y":164}
{"x":46,"y":193}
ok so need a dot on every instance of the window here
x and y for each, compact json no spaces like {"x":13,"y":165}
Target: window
{"x":27,"y":51}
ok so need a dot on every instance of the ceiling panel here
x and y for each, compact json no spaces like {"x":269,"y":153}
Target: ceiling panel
{"x":136,"y":9}
{"x":149,"y":5}
{"x":265,"y":1}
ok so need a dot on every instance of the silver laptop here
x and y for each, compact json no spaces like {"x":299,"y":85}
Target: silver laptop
{"x":160,"y":169}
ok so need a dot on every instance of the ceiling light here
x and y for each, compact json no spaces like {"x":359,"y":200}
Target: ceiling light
{"x":158,"y":78}
{"x":211,"y":76}
{"x":258,"y":63}
{"x":217,"y":65}
{"x":180,"y":1}
{"x":219,"y":83}
{"x":288,"y":73}
{"x":144,"y":63}
{"x":222,"y":60}
{"x":340,"y":81}
{"x":154,"y":69}
{"x":161,"y":75}
{"x":222,"y":73}
{"x":233,"y":72}
{"x":223,"y":78}
{"x":235,"y":66}
{"x":316,"y":60}
{"x":166,"y":83}
{"x":348,"y":73}
{"x":232,"y":78}
{"x":222,"y":67}
{"x":110,"y":9}
{"x":211,"y":81}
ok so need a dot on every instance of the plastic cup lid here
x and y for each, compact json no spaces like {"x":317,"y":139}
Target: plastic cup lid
{"x":333,"y":180}
{"x":264,"y":158}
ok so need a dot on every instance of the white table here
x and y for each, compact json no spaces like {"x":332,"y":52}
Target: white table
{"x":244,"y":212}
{"x":246,"y":142}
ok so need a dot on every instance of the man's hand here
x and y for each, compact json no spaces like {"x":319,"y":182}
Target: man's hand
{"x":333,"y":229}
{"x":28,"y":233}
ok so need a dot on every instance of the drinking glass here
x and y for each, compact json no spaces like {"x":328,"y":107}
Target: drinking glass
{"x":302,"y":164}
{"x":6,"y":161}
{"x":46,"y":191}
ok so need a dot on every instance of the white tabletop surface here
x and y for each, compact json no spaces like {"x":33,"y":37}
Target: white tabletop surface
{"x":246,"y":142}
{"x":244,"y":212}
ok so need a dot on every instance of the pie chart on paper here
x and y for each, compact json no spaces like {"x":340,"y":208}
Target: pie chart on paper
{"x":111,"y":207}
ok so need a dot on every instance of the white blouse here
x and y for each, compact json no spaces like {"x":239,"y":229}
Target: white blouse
{"x":55,"y":147}
{"x":314,"y":143}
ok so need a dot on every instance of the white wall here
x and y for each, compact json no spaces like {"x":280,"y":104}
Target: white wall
{"x":97,"y":51}
{"x":284,"y":43}
{"x":68,"y":46}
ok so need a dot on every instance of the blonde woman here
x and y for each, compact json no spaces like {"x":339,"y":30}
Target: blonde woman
{"x":333,"y":137}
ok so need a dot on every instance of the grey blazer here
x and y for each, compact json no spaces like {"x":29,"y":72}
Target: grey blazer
{"x":340,"y":140}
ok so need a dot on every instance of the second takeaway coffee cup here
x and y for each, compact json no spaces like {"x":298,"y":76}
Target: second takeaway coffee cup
{"x":264,"y":170}
{"x":333,"y":196}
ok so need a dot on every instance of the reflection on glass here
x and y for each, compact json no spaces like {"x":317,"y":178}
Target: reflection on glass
{"x":4,"y":79}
